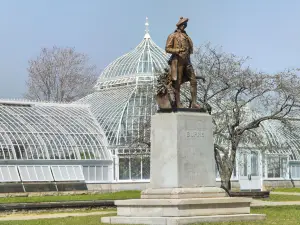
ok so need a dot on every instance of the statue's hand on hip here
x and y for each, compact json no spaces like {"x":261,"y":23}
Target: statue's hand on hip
{"x":179,"y":50}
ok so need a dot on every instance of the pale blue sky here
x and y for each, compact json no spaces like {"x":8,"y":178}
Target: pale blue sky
{"x":268,"y":31}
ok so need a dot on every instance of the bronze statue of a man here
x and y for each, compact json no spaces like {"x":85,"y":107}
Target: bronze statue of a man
{"x":180,"y":45}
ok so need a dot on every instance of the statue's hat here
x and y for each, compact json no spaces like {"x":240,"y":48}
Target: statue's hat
{"x":181,"y":21}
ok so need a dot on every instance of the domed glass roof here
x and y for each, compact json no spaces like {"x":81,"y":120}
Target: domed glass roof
{"x":145,"y":59}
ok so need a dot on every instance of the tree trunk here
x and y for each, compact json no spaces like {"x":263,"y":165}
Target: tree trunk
{"x":226,"y":184}
{"x":225,"y":172}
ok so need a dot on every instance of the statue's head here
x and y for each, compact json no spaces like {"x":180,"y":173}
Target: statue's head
{"x":182,"y":23}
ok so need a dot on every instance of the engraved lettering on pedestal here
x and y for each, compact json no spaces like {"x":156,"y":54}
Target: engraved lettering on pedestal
{"x":194,"y":129}
{"x":194,"y":134}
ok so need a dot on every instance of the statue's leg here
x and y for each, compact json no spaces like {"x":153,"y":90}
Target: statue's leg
{"x":180,"y":68}
{"x":193,"y":85}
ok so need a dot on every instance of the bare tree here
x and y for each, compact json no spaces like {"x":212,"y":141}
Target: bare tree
{"x":60,"y":74}
{"x":241,"y":100}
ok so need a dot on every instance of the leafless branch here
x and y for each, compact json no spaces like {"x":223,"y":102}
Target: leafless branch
{"x":60,"y":74}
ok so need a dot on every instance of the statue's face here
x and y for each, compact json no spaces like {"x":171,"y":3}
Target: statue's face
{"x":183,"y":26}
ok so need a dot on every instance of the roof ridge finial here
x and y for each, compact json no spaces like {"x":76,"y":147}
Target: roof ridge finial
{"x":147,"y":35}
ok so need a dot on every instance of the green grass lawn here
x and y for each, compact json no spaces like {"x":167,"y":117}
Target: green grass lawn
{"x":105,"y":196}
{"x":113,"y":196}
{"x":287,"y":190}
{"x":287,"y":215}
{"x":282,"y":198}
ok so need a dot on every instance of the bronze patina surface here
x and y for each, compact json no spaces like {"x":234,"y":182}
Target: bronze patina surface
{"x":180,"y":46}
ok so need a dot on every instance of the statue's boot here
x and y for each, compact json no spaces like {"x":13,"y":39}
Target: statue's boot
{"x":194,"y":104}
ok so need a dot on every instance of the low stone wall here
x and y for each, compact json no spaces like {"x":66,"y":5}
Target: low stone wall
{"x":271,"y":184}
{"x":123,"y":186}
{"x":51,"y":193}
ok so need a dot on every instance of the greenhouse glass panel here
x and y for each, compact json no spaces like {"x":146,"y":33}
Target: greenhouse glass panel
{"x":35,"y":173}
{"x":146,"y":167}
{"x":295,"y":170}
{"x":9,"y":174}
{"x":124,"y":169}
{"x":276,"y":166}
{"x":67,"y":173}
{"x":99,"y":173}
{"x":85,"y":170}
{"x":94,"y":173}
{"x":135,"y":164}
{"x":57,"y":173}
{"x":105,"y":172}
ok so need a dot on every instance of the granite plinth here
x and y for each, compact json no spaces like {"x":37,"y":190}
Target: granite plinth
{"x":182,"y":211}
{"x":183,"y":207}
{"x":182,"y":151}
{"x":181,"y":220}
{"x":183,"y":193}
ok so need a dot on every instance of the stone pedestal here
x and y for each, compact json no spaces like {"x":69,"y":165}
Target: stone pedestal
{"x":183,"y":181}
{"x":182,"y":153}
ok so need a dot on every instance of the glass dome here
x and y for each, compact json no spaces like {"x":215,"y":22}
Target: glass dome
{"x":143,"y":60}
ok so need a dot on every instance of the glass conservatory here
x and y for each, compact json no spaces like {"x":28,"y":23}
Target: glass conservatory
{"x":53,"y":144}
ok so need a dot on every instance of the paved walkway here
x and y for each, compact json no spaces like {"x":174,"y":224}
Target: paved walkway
{"x":259,"y":203}
{"x":285,"y":193}
{"x":49,"y":216}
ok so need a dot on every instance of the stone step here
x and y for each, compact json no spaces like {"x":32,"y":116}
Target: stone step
{"x":181,"y":220}
{"x":183,"y":207}
{"x":183,"y":193}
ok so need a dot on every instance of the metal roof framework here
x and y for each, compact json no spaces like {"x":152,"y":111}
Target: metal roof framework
{"x":41,"y":131}
{"x":46,"y":142}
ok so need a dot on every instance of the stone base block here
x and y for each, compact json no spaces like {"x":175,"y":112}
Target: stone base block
{"x":182,"y":151}
{"x":183,"y":207}
{"x":183,"y":193}
{"x":180,"y":220}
